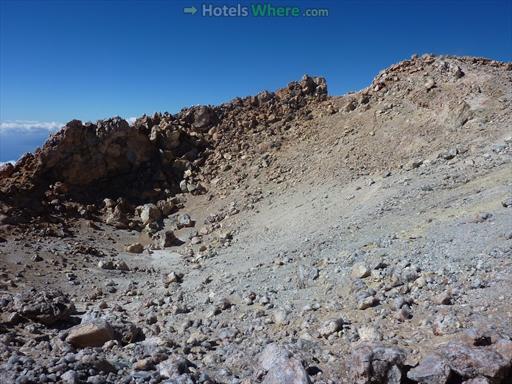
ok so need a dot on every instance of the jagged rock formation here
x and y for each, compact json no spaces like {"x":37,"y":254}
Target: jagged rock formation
{"x":90,"y":162}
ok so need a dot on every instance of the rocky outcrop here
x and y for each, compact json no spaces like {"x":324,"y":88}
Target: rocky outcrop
{"x":151,"y":160}
{"x":84,"y":161}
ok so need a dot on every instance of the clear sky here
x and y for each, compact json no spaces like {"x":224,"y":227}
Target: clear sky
{"x":93,"y":59}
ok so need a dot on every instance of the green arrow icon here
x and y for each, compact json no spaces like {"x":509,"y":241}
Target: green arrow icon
{"x":190,"y":10}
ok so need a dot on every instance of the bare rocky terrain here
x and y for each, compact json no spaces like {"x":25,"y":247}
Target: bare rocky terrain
{"x":289,"y":237}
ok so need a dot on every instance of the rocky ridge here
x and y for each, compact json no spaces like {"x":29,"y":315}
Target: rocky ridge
{"x":157,"y":156}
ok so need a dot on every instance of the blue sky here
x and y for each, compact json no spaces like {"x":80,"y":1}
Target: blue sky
{"x":93,"y":59}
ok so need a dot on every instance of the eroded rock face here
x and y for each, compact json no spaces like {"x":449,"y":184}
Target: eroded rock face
{"x":46,"y":307}
{"x":88,"y":158}
{"x":107,"y":149}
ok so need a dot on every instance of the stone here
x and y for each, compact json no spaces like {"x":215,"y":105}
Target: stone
{"x":306,"y":275}
{"x":174,"y":367}
{"x":150,"y":213}
{"x":289,"y":371}
{"x":106,"y":264}
{"x":433,"y":369}
{"x":183,"y":186}
{"x":330,"y":327}
{"x":166,"y":206}
{"x":445,"y":324}
{"x":196,"y":338}
{"x":413,"y":164}
{"x":444,"y":298}
{"x":404,"y":313}
{"x":360,"y":271}
{"x":281,"y":366}
{"x":280,"y":317}
{"x":185,"y":221}
{"x":6,"y":170}
{"x":450,"y":154}
{"x":135,"y":248}
{"x":165,"y":239}
{"x":203,"y":117}
{"x":371,"y":363}
{"x":93,"y":334}
{"x":44,"y":306}
{"x":271,"y":354}
{"x":471,"y":361}
{"x":146,"y":364}
{"x":117,"y":218}
{"x":172,"y":277}
{"x":122,"y":266}
{"x":429,"y":84}
{"x":14,"y":318}
{"x":125,"y":331}
{"x":69,"y":377}
{"x":367,"y":302}
{"x":106,"y":156}
{"x":369,"y":334}
{"x":507,"y":203}
{"x":457,"y":71}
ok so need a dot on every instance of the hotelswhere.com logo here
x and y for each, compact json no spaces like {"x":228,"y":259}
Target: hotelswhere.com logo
{"x":254,"y":10}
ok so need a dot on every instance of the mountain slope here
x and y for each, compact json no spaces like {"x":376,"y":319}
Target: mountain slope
{"x":287,"y":237}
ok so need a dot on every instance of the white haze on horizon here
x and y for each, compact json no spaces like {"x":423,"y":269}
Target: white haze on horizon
{"x":18,"y":137}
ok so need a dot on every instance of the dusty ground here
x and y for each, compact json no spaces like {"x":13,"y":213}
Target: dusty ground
{"x":372,"y":224}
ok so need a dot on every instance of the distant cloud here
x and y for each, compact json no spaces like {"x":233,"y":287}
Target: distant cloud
{"x":131,"y":120}
{"x":7,"y":162}
{"x":30,"y":125}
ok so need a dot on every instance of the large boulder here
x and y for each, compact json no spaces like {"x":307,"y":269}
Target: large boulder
{"x":149,"y":213}
{"x":44,"y":306}
{"x":469,"y":361}
{"x":377,"y":364}
{"x":463,"y":360}
{"x":165,"y":239}
{"x":100,"y":323}
{"x":203,"y":117}
{"x":282,"y":367}
{"x":432,"y":369}
{"x":93,"y":334}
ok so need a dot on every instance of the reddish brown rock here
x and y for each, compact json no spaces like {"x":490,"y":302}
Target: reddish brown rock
{"x":93,"y":334}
